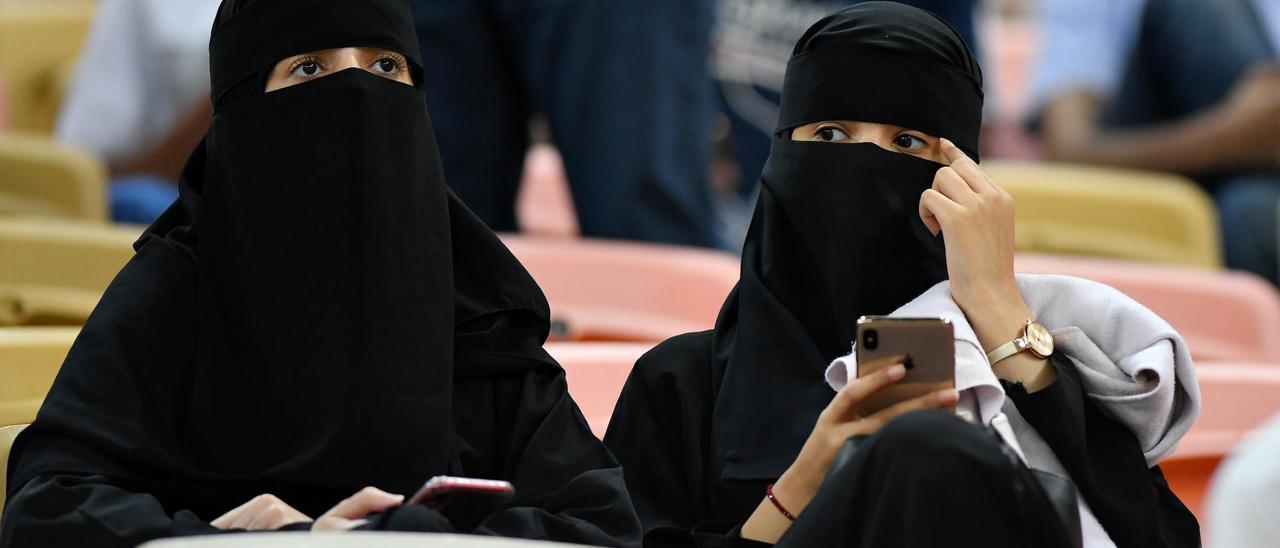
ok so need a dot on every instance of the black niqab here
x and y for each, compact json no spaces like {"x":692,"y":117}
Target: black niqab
{"x":307,"y":304}
{"x":836,"y":233}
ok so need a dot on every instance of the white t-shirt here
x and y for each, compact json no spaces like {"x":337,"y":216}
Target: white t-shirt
{"x":144,"y":65}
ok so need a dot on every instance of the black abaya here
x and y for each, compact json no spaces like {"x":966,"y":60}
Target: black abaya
{"x":660,"y":431}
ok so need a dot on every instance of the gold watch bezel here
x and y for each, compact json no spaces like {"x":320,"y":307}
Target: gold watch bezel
{"x":1039,"y":339}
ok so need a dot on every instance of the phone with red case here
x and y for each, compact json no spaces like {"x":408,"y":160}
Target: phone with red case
{"x":465,"y":502}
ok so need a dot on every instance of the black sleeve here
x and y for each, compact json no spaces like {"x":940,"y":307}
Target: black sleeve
{"x":1133,"y":503}
{"x":525,"y":428}
{"x":90,"y":511}
{"x":659,"y":433}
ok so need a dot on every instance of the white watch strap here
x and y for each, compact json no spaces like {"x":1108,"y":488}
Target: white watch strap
{"x":1007,"y":349}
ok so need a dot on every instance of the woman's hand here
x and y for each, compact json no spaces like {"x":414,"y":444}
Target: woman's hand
{"x":263,"y":513}
{"x":350,"y":513}
{"x":837,"y":423}
{"x":976,"y":215}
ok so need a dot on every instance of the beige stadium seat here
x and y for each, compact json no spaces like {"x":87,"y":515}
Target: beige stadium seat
{"x":29,"y":360}
{"x":7,"y":435}
{"x":52,"y":272}
{"x":40,"y":41}
{"x":43,"y":178}
{"x":1083,"y":210}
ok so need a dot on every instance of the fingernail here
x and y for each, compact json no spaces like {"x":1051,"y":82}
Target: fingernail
{"x":896,"y":371}
{"x":948,"y":397}
{"x":947,"y":142}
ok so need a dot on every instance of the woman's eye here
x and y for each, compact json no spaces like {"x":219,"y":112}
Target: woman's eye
{"x":306,"y":68}
{"x":910,"y":142}
{"x":387,"y":65}
{"x":830,"y":134}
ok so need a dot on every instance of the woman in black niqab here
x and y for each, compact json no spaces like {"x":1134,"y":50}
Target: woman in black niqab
{"x":709,"y":421}
{"x":316,"y":314}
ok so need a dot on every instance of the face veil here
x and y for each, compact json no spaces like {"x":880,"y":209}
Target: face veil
{"x":295,"y":322}
{"x":836,"y":232}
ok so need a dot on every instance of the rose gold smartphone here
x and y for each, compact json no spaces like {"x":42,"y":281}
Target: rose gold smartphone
{"x":928,"y":343}
{"x":466,"y":502}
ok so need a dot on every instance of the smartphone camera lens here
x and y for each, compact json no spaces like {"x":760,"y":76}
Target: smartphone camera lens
{"x":870,"y":339}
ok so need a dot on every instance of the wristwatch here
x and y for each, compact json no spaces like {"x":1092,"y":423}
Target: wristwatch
{"x":1034,"y":337}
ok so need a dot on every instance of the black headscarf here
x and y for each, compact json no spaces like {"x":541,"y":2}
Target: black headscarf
{"x":836,"y":233}
{"x":307,"y":304}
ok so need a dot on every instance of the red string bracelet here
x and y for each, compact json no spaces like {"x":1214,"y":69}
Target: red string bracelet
{"x":768,"y":493}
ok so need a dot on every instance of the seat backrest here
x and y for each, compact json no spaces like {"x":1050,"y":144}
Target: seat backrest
{"x":39,"y":176}
{"x":63,"y":253}
{"x":596,"y":373}
{"x":30,"y":358}
{"x":1148,"y":216}
{"x":1237,"y":399}
{"x":7,"y":435}
{"x":1222,"y":315}
{"x":39,"y":43}
{"x":614,"y":291}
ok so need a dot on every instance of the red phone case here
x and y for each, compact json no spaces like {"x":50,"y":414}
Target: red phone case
{"x":466,"y":502}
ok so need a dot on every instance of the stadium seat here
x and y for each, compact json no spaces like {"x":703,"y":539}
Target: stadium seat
{"x":41,"y":177}
{"x":29,"y":360}
{"x":1222,"y":315}
{"x":1084,"y":210}
{"x":7,"y":435}
{"x":614,"y":291}
{"x":596,"y":373}
{"x":53,"y":272}
{"x":40,"y":41}
{"x":1238,"y":397}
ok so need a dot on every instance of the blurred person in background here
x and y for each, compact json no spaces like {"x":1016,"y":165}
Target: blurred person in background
{"x":139,"y":98}
{"x":753,"y":41}
{"x":625,"y":90}
{"x":1184,"y":86}
{"x":1244,"y":498}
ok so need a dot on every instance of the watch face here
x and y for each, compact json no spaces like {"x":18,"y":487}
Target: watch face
{"x":1040,"y":339}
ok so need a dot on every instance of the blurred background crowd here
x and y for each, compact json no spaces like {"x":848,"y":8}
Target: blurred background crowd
{"x":1144,"y":134}
{"x":659,"y":115}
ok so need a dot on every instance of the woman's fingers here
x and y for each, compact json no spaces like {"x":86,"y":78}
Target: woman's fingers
{"x":262,"y":513}
{"x":240,"y":516}
{"x":949,"y":182}
{"x":275,"y":516}
{"x":350,"y":513}
{"x":369,"y":500}
{"x":972,"y":175}
{"x":884,"y":372}
{"x":941,"y":399}
{"x":936,"y":209}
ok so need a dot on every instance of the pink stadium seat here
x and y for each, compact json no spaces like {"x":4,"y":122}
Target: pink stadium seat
{"x":1238,"y":397}
{"x":614,"y":291}
{"x":596,"y":373}
{"x":1231,"y":316}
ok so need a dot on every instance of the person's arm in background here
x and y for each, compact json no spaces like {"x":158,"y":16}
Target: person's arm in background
{"x":117,"y":94}
{"x":1086,"y":46}
{"x":1241,"y":132}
